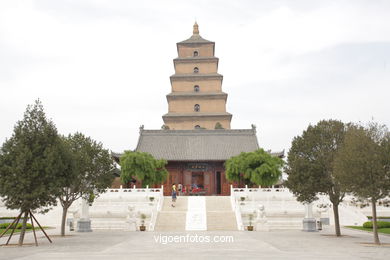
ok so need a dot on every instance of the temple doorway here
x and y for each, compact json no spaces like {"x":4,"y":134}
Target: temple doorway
{"x":218,"y":183}
{"x":197,"y":181}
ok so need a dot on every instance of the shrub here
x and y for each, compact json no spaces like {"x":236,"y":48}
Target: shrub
{"x":380,"y":224}
{"x":19,"y":226}
{"x":370,"y":217}
{"x":10,"y":218}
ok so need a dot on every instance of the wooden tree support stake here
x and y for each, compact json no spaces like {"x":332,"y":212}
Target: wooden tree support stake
{"x":10,"y":225}
{"x":41,"y":228}
{"x":33,"y":228}
{"x":13,"y":230}
{"x":16,"y":222}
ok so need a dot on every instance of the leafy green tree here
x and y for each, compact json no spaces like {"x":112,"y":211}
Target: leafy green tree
{"x":258,"y":167}
{"x":91,"y":172}
{"x":32,"y":165}
{"x":310,"y":164}
{"x":363,"y":165}
{"x":142,"y":166}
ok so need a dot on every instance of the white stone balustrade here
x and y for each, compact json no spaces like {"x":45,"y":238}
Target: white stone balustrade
{"x":283,"y":211}
{"x":110,"y":210}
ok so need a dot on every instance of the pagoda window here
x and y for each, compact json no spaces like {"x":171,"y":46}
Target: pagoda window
{"x":197,"y":127}
{"x":196,"y":108}
{"x":196,"y":88}
{"x":196,"y":53}
{"x":196,"y":70}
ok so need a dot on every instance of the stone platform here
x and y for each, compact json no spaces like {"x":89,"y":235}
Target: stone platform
{"x":115,"y":244}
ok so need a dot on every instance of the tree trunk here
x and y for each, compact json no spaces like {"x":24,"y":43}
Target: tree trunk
{"x":336,"y":218}
{"x":64,"y":212}
{"x":23,"y":231}
{"x":374,"y":223}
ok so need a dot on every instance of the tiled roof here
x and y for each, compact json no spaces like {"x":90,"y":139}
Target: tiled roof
{"x":195,"y":59}
{"x":179,"y":94}
{"x":196,"y":38}
{"x":197,"y":145}
{"x":198,"y":114}
{"x":196,"y":95}
{"x":196,"y":75}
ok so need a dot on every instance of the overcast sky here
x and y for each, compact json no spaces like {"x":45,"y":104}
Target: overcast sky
{"x":103,"y":67}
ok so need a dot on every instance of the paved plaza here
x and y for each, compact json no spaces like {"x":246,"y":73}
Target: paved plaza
{"x":247,"y":245}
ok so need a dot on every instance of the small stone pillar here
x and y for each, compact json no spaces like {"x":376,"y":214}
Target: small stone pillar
{"x":323,"y":210}
{"x":131,"y":220}
{"x":309,"y":223}
{"x":261,"y":220}
{"x":84,"y":223}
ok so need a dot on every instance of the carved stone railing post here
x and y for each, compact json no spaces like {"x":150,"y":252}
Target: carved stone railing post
{"x":131,"y":220}
{"x":261,"y":219}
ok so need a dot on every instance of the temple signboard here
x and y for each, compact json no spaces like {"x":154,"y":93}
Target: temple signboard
{"x":200,"y":167}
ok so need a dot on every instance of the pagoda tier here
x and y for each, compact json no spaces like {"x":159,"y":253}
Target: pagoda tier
{"x":196,"y":100}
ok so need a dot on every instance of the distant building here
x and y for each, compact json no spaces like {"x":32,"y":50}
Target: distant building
{"x":196,"y":138}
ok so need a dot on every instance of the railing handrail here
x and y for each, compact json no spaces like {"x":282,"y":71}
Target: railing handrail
{"x":236,"y":209}
{"x":247,"y":190}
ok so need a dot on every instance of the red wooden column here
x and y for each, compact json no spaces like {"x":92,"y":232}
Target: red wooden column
{"x":209,"y":182}
{"x":187,"y":175}
{"x":225,"y":191}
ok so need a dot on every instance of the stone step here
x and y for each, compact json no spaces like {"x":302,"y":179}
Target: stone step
{"x":218,"y":203}
{"x":172,"y":218}
{"x":222,"y":220}
{"x":220,"y":215}
{"x":171,"y":221}
{"x":180,"y":204}
{"x":108,"y":224}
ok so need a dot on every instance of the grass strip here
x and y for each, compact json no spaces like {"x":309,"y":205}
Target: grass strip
{"x":381,"y":230}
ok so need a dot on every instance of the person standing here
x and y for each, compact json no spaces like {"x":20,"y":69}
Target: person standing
{"x":174,"y":194}
{"x":180,"y":189}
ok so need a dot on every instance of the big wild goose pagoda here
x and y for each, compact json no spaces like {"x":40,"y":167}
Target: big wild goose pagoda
{"x":196,"y":138}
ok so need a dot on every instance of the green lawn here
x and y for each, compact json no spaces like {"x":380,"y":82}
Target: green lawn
{"x":381,"y":230}
{"x":16,"y":230}
{"x":37,"y":229}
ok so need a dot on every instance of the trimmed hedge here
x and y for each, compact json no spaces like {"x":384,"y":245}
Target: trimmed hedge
{"x":370,"y":217}
{"x":19,"y":226}
{"x":10,"y":218}
{"x":380,"y":224}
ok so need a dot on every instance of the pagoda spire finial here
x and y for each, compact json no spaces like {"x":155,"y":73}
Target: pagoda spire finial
{"x":196,"y":28}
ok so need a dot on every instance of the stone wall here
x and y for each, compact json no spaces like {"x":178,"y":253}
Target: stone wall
{"x":206,"y":85}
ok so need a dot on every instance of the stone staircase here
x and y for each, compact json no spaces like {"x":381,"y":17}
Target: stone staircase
{"x":108,"y":223}
{"x":172,"y":218}
{"x":219,"y":213}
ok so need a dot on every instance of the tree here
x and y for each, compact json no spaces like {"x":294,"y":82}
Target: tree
{"x":363,"y":165}
{"x":142,"y":166}
{"x":310,"y":164}
{"x":258,"y":167}
{"x":91,"y":172}
{"x":218,"y":125}
{"x":32,"y":165}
